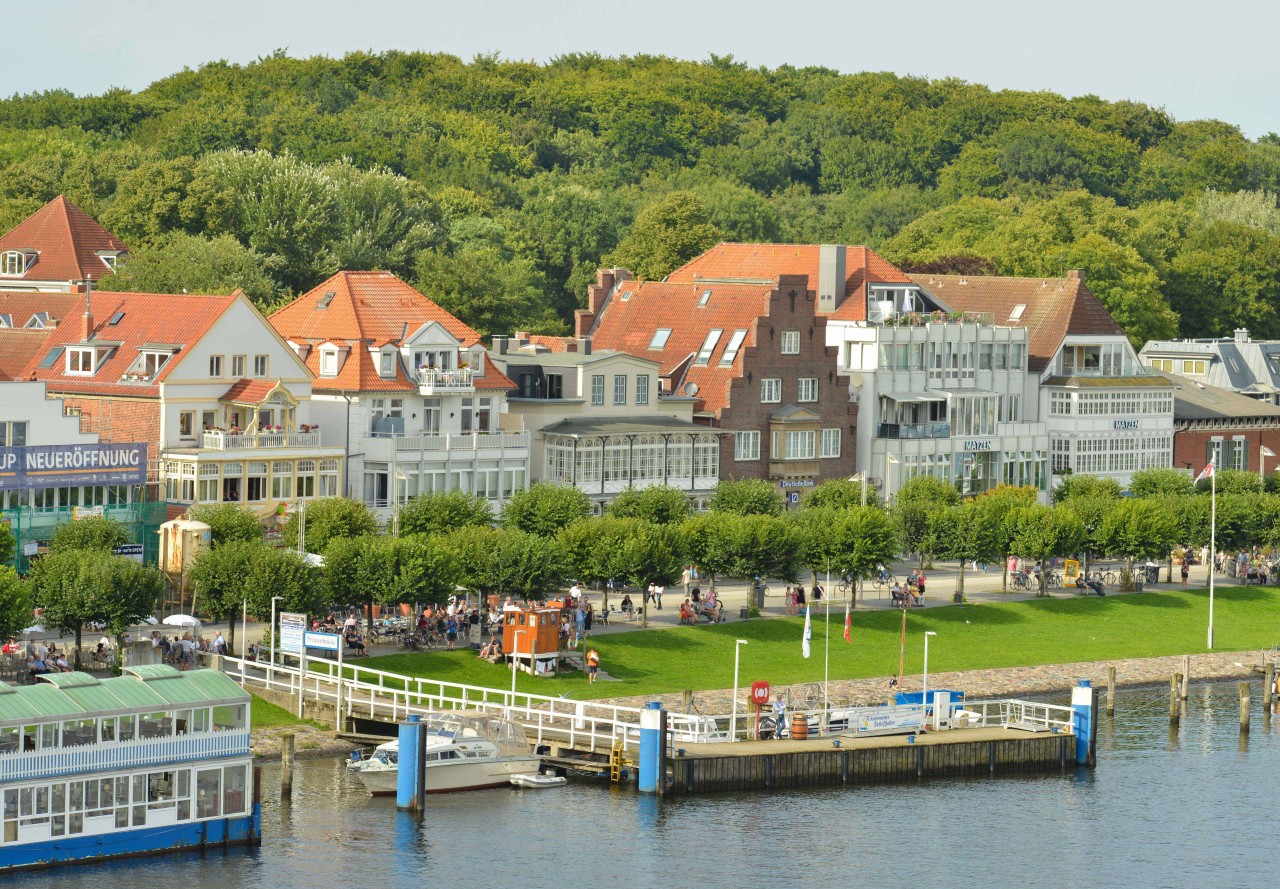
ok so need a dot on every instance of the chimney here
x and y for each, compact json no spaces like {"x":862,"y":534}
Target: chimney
{"x":1075,"y":275}
{"x":584,"y":345}
{"x":1242,"y":335}
{"x":831,"y":277}
{"x":522,"y":338}
{"x":500,"y":345}
{"x":583,"y":321}
{"x":86,"y":323}
{"x":571,"y":345}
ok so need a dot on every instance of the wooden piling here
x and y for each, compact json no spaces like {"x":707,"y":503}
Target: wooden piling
{"x":1269,"y":689}
{"x":687,"y":700}
{"x":1186,"y":676}
{"x":1111,"y":691}
{"x":1174,"y":683}
{"x":1244,"y":706}
{"x":286,"y":765}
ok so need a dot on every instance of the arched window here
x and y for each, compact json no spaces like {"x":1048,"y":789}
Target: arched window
{"x":13,"y":262}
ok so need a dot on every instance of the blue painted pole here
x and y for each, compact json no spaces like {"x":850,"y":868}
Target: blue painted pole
{"x":1083,"y":703}
{"x":407,"y":766}
{"x":650,"y":747}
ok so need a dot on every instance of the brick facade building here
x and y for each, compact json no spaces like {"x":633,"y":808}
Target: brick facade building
{"x":1209,"y":423}
{"x":752,"y":353}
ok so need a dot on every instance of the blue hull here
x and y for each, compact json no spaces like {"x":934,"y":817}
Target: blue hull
{"x":241,"y":830}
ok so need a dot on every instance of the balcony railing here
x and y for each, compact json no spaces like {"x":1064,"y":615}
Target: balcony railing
{"x":1135,"y":370}
{"x":122,"y":754}
{"x":462,"y":441}
{"x":919,"y":319}
{"x":225,"y":441}
{"x":914,"y":430}
{"x":432,"y":380}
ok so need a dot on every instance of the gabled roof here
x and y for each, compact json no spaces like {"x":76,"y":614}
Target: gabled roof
{"x":246,"y":391}
{"x":1197,"y":401}
{"x":628,"y":325}
{"x":765,"y":262}
{"x":374,"y":307}
{"x":358,"y":373}
{"x":140,"y":319}
{"x":66,"y":240}
{"x":1054,"y":308}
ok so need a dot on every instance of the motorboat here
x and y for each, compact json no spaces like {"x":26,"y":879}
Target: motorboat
{"x":465,"y":751}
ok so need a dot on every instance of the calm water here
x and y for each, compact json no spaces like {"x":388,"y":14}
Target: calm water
{"x":1193,"y":809}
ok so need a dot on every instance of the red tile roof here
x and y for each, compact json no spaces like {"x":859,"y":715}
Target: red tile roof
{"x":359,"y":374}
{"x":765,"y":262}
{"x":1054,"y":307}
{"x":249,"y":391}
{"x":376,"y":307}
{"x":628,"y":325}
{"x":67,"y":240}
{"x":17,"y":348}
{"x":144,"y":319}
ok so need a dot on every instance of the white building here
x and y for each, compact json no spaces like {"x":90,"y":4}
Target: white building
{"x":407,"y":390}
{"x":1106,"y":414}
{"x":600,"y":422}
{"x":1238,"y":364}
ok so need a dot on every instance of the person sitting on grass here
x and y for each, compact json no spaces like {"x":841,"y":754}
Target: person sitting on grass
{"x":493,"y":649}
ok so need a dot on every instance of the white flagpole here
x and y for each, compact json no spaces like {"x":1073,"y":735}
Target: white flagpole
{"x":1213,"y":541}
{"x":826,"y":653}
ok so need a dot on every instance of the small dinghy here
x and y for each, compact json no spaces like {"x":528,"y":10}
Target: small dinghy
{"x":538,"y":780}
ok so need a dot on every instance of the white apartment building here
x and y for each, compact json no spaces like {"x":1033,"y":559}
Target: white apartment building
{"x":406,"y":390}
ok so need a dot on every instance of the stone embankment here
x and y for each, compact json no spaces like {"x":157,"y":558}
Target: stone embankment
{"x":310,"y":742}
{"x":1036,"y":682}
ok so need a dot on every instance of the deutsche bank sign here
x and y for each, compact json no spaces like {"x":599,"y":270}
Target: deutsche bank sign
{"x":59,"y":466}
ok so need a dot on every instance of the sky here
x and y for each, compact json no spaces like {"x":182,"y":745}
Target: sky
{"x":1195,"y":60}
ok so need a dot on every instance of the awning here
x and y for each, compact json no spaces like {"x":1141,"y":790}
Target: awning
{"x":941,"y":394}
{"x":916,"y":397}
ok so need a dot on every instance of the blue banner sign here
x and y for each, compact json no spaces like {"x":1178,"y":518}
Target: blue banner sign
{"x":76,"y":465}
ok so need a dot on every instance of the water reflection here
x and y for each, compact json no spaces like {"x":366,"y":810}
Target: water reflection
{"x":1167,"y":806}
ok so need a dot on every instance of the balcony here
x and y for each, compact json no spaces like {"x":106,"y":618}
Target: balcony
{"x":1135,"y":370}
{"x":913,"y":430}
{"x":225,"y":441}
{"x":439,"y":382}
{"x":122,"y":755}
{"x":462,"y":441}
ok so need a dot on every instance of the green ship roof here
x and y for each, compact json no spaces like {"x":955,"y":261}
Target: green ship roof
{"x":141,"y":689}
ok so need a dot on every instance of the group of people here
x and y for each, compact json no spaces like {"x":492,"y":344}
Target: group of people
{"x":181,"y":651}
{"x":911,"y":593}
{"x":697,"y":607}
{"x":797,"y":598}
{"x":577,"y":617}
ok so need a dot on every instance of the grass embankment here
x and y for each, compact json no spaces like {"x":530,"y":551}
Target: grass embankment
{"x":264,"y":714}
{"x":1041,"y":631}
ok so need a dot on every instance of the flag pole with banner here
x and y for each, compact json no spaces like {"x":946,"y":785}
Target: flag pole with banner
{"x":808,"y":632}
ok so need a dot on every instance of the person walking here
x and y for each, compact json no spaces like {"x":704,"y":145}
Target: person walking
{"x":779,"y":717}
{"x":1186,"y":572}
{"x":658,"y":590}
{"x":579,"y":625}
{"x":593,"y":665}
{"x":685,"y":578}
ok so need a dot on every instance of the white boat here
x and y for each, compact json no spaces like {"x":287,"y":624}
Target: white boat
{"x":464,"y":752}
{"x":539,"y":780}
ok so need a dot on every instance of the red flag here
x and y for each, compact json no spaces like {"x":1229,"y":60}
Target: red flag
{"x":848,"y":624}
{"x":1207,"y":473}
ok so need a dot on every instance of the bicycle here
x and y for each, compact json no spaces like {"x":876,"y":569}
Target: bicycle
{"x":1053,"y":580}
{"x":884,"y":581}
{"x":1021,"y":581}
{"x":1109,"y":578}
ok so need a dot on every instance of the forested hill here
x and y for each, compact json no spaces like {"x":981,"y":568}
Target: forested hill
{"x":498,"y":187}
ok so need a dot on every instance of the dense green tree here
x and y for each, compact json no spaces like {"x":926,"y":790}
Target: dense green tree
{"x":1139,"y":529}
{"x":1231,"y":481}
{"x":545,"y":509}
{"x":15,"y":603}
{"x":658,"y":504}
{"x":595,"y":548}
{"x":327,"y":518}
{"x":1045,"y":532}
{"x":283,"y":572}
{"x":8,"y":544}
{"x":228,"y":523}
{"x":969,"y":532}
{"x":178,"y":262}
{"x":666,"y":234}
{"x":847,"y":542}
{"x":95,"y":533}
{"x":220,"y":578}
{"x":1073,"y":486}
{"x":75,"y":587}
{"x":841,"y":493}
{"x":748,"y":496}
{"x":441,"y":512}
{"x":1161,"y":483}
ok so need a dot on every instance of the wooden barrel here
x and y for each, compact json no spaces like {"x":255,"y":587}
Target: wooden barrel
{"x":799,"y":726}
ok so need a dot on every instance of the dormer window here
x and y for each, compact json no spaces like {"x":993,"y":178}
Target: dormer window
{"x":387,"y":365}
{"x":110,"y":258}
{"x":13,"y":262}
{"x":150,"y":363}
{"x":329,"y":363}
{"x":80,"y":361}
{"x":38,"y":321}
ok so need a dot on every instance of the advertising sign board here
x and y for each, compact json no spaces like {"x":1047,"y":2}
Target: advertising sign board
{"x":292,"y":626}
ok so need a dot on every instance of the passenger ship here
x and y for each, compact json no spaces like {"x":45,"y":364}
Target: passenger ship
{"x":151,"y":761}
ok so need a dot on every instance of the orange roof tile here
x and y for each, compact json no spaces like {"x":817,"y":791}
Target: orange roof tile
{"x":17,"y":349}
{"x":67,"y":241}
{"x":143,"y":319}
{"x":376,"y":307}
{"x":628,"y":325}
{"x":246,"y":391}
{"x":765,"y":262}
{"x":1054,"y":307}
{"x":357,"y":373}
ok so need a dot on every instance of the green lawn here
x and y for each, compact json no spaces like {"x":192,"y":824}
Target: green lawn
{"x":264,"y":714}
{"x":1043,"y":631}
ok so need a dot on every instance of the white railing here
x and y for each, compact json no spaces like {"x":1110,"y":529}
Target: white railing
{"x":376,"y":694}
{"x":431,"y":378}
{"x":122,"y":754}
{"x":225,"y":441}
{"x":1028,"y":715}
{"x":462,"y":441}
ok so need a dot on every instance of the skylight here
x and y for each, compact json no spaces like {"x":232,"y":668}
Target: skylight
{"x":1017,"y":311}
{"x":708,"y":345}
{"x":6,"y":321}
{"x":706,"y":295}
{"x":660,"y":337}
{"x":323,"y":302}
{"x":731,"y":350}
{"x":115,"y":319}
{"x":626,"y":295}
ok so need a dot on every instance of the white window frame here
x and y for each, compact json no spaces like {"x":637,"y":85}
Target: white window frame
{"x":830,"y":446}
{"x":790,"y":342}
{"x":708,"y":346}
{"x":746,"y":445}
{"x":238,"y":363}
{"x":13,"y":263}
{"x":799,"y":444}
{"x":660,"y":337}
{"x":215,"y":367}
{"x":597,"y":389}
{"x":619,"y":388}
{"x":771,"y":390}
{"x":261,"y":366}
{"x":642,"y":389}
{"x":78,"y":366}
{"x":807,"y":389}
{"x":328,"y":362}
{"x":731,"y":350}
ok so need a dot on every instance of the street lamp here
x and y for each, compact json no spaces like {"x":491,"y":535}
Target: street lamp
{"x":733,"y":722}
{"x":515,"y":651}
{"x":924,"y":699}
